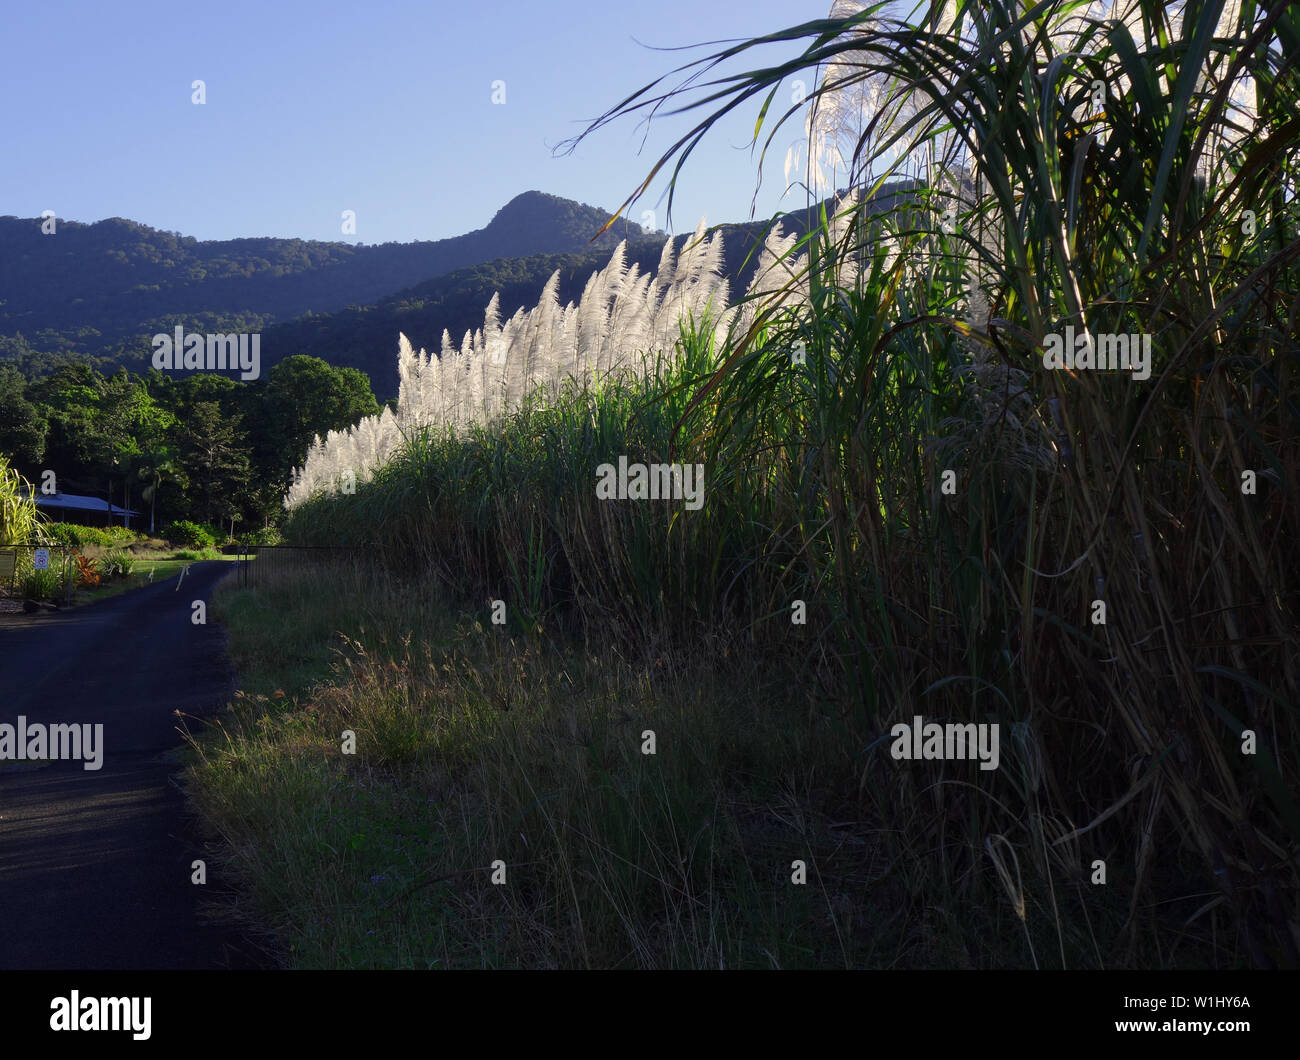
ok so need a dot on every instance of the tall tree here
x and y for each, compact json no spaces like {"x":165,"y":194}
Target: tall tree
{"x":305,"y":397}
{"x":154,"y":466}
{"x":22,"y":426}
{"x":215,"y":458}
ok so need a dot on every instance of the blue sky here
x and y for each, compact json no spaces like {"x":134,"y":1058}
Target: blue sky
{"x":382,"y":107}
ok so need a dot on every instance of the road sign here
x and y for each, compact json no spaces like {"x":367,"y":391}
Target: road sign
{"x":42,"y":559}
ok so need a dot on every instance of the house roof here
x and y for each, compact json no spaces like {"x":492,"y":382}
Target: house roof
{"x":79,"y":503}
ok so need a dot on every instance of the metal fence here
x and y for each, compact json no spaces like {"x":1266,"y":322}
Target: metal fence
{"x":258,"y":562}
{"x":17,"y":561}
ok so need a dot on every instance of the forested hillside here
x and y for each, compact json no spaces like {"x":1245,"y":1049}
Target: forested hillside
{"x":104,"y":289}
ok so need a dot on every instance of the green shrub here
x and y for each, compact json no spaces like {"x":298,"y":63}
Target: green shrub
{"x":70,"y":535}
{"x":269,"y":535}
{"x":194,"y":535}
{"x":116,"y":564}
{"x":41,"y":585}
{"x":64,"y":534}
{"x":198,"y":554}
{"x":19,"y":518}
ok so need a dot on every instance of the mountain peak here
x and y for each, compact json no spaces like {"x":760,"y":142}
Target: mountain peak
{"x":531,"y":214}
{"x":533,"y":203}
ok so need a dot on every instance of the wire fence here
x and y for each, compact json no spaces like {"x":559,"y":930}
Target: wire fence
{"x":260,"y":562}
{"x":18,"y":562}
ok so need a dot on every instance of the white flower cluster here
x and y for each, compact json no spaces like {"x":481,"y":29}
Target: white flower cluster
{"x":621,"y":315}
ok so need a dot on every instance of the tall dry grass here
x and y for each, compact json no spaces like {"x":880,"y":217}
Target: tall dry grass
{"x":826,"y":427}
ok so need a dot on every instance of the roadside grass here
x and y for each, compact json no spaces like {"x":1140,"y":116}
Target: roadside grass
{"x":478,"y":746}
{"x":475,"y":745}
{"x":284,"y":633}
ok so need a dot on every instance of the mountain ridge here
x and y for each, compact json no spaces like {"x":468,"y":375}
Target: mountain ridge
{"x":90,"y":289}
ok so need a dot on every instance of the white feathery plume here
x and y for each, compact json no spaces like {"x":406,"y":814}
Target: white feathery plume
{"x":622,"y":313}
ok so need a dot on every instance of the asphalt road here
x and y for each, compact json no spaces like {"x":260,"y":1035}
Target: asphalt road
{"x":95,"y":865}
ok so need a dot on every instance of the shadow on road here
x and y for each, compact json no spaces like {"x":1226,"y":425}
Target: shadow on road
{"x":96,"y":865}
